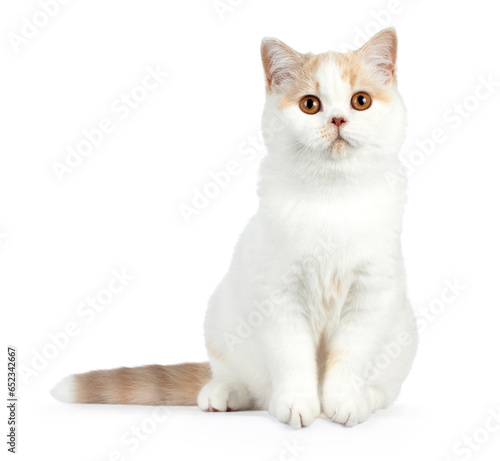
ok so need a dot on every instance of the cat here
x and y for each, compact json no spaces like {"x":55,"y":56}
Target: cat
{"x":313,"y":314}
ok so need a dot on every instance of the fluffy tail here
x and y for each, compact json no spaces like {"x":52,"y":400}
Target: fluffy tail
{"x":148,"y":385}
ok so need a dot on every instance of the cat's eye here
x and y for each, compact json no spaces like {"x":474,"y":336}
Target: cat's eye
{"x":310,"y":104}
{"x":361,"y":101}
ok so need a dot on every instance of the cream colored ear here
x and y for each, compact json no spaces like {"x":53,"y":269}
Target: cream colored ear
{"x":280,"y":62}
{"x":380,"y":52}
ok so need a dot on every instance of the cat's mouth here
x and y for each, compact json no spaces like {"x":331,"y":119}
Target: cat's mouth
{"x":338,"y":144}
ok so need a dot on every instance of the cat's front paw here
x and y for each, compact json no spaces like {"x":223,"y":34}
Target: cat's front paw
{"x":298,"y":410}
{"x":348,"y":407}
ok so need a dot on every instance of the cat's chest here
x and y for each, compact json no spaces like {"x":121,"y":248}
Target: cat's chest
{"x":348,"y":229}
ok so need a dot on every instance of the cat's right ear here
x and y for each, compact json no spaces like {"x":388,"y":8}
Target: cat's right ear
{"x":280,"y":63}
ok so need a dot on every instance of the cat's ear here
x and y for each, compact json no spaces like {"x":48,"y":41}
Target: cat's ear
{"x":380,"y":53}
{"x":280,"y":63}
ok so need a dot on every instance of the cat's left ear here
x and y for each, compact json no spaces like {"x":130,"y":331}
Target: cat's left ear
{"x":380,"y":53}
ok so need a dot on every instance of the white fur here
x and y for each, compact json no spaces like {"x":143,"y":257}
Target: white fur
{"x":312,"y":198}
{"x":64,"y":390}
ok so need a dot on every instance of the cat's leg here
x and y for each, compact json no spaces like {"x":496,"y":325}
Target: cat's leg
{"x":370,"y":321}
{"x":393,"y":363}
{"x":290,"y":353}
{"x":224,"y":392}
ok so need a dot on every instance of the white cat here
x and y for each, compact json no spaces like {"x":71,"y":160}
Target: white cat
{"x":312,"y":314}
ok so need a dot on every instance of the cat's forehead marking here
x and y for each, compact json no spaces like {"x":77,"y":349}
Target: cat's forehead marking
{"x":349,"y":66}
{"x":332,"y":80}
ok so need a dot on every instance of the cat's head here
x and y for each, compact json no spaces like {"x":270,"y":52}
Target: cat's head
{"x":333,"y":106}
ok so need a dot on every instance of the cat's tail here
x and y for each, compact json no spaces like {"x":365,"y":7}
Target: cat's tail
{"x":148,"y":385}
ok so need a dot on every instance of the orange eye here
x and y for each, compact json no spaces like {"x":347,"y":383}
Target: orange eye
{"x":310,"y":104}
{"x":361,"y":101}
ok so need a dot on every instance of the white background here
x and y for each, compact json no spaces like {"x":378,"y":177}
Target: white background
{"x":120,"y":209}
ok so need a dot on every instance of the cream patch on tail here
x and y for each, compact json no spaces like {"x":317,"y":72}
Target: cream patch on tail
{"x":147,"y":385}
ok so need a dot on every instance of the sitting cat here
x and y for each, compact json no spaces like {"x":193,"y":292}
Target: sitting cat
{"x":312,"y":314}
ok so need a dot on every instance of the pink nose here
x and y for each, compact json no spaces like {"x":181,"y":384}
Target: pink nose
{"x":338,"y":121}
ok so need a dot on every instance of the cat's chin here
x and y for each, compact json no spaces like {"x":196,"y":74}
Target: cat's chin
{"x":338,"y":146}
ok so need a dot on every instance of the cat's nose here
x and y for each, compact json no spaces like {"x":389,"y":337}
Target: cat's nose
{"x":338,"y":121}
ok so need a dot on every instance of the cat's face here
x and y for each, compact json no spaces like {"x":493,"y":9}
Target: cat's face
{"x":338,"y":105}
